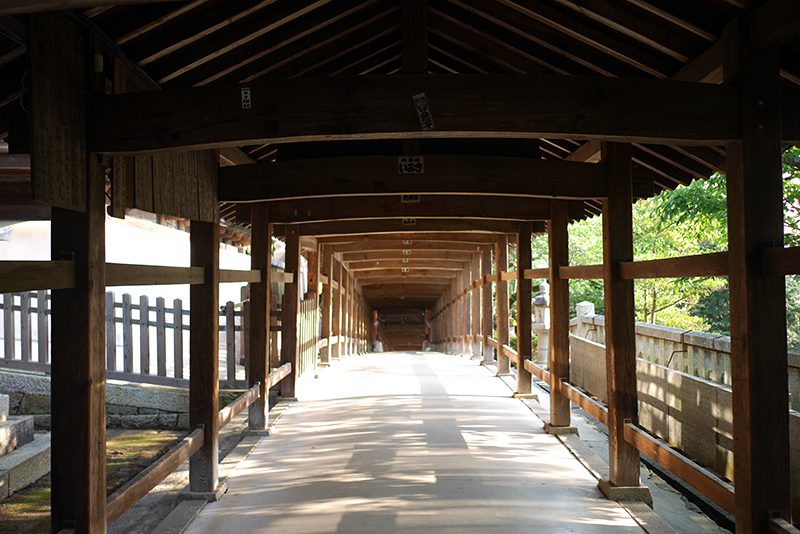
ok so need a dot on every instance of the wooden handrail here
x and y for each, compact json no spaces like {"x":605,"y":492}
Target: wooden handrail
{"x":535,"y":274}
{"x":587,"y":404}
{"x":233,"y":409}
{"x":128,"y":274}
{"x":778,"y":525}
{"x":510,"y":353}
{"x":715,"y":264}
{"x":580,"y":272}
{"x":132,"y":491}
{"x":701,"y":479}
{"x":19,"y":276}
{"x":781,"y":261}
{"x":235,"y":275}
{"x":279,"y":374}
{"x":537,"y":370}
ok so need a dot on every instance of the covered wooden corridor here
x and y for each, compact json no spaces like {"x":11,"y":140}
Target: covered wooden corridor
{"x":411,"y":442}
{"x":401,"y":150}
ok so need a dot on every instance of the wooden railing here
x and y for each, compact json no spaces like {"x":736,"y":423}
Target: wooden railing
{"x":307,"y":334}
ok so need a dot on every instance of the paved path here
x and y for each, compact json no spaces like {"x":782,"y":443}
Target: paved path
{"x":410,"y":442}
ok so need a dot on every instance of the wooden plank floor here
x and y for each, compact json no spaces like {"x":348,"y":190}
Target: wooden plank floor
{"x":410,"y":442}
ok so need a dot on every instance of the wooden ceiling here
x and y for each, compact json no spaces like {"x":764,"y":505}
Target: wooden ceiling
{"x":206,"y":42}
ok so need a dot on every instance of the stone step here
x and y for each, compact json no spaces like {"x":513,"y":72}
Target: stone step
{"x":15,"y":432}
{"x":4,"y":404}
{"x":24,"y":466}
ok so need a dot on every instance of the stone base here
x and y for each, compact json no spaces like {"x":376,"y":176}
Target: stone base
{"x":526,"y":396}
{"x":4,"y":406}
{"x":287,"y":399}
{"x":559,"y":430}
{"x":500,"y":375}
{"x":210,"y":496}
{"x":625,"y":493}
{"x":15,"y":432}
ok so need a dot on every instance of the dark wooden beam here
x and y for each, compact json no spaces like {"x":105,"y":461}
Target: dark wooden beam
{"x":620,"y":333}
{"x":291,"y":304}
{"x":376,"y":227}
{"x":757,"y":298}
{"x":17,"y":7}
{"x":258,"y":355}
{"x":408,"y":239}
{"x":379,"y":246}
{"x":414,"y":28}
{"x":400,"y":206}
{"x":500,"y":266}
{"x":524,"y":334}
{"x":377,"y":107}
{"x":78,"y":498}
{"x":382,"y":175}
{"x":420,"y":272}
{"x":559,"y":319}
{"x":486,"y":305}
{"x":407,"y":254}
{"x":204,"y":358}
{"x":773,"y":24}
{"x":412,"y":264}
{"x":428,"y":279}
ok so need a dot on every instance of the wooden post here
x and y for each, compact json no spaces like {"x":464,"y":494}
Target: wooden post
{"x":623,"y":458}
{"x":258,"y":360}
{"x":350,"y":308}
{"x":177,"y":321}
{"x":501,"y":292}
{"x":327,"y":305}
{"x":523,"y":308}
{"x":9,"y":330}
{"x":127,"y":333}
{"x":291,"y":302}
{"x":757,"y":299}
{"x":78,"y":390}
{"x":230,"y":342}
{"x":204,"y":358}
{"x":559,"y":319}
{"x":144,"y":335}
{"x":42,"y":329}
{"x":161,"y":337}
{"x":475,"y":305}
{"x":336,"y":326}
{"x":486,"y":304}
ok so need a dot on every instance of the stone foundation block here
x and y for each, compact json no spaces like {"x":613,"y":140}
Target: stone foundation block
{"x":15,"y":432}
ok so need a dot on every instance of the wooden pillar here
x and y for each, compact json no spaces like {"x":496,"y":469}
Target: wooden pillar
{"x":204,"y":357}
{"x":475,"y":305}
{"x":757,"y":299}
{"x":523,"y":307}
{"x":78,"y":403}
{"x":501,"y":288}
{"x":486,"y":304}
{"x":623,"y":458}
{"x":336,"y":325}
{"x":559,"y":319}
{"x":291,"y":302}
{"x":327,"y":304}
{"x":258,"y":358}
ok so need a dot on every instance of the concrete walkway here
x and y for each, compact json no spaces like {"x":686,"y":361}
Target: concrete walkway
{"x":410,"y":442}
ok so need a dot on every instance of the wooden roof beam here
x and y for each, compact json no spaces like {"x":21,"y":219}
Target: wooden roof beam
{"x":414,"y":28}
{"x":400,"y":254}
{"x":16,"y":7}
{"x":409,"y":239}
{"x":774,"y":24}
{"x":404,"y":206}
{"x":431,"y":174}
{"x":379,"y":246}
{"x":377,"y":107}
{"x":383,"y":266}
{"x":389,"y":226}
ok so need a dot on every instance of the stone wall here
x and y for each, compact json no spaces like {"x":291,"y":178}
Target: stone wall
{"x":692,"y":414}
{"x":128,"y":405}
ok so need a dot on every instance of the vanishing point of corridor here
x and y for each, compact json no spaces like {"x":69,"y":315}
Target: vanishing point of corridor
{"x":410,"y":442}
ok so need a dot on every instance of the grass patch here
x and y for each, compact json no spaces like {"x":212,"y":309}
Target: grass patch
{"x":127,"y":453}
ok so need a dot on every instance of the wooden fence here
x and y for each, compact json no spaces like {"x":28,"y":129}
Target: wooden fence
{"x":308,"y":334}
{"x":145,"y":341}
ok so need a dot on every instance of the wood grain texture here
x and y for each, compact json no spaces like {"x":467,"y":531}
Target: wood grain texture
{"x":78,"y":498}
{"x":57,"y":52}
{"x":460,"y":174}
{"x":524,"y":296}
{"x":501,"y":265}
{"x":203,"y":356}
{"x":377,"y":107}
{"x":258,"y":349}
{"x":559,"y":314}
{"x":620,"y":319}
{"x":291,"y":300}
